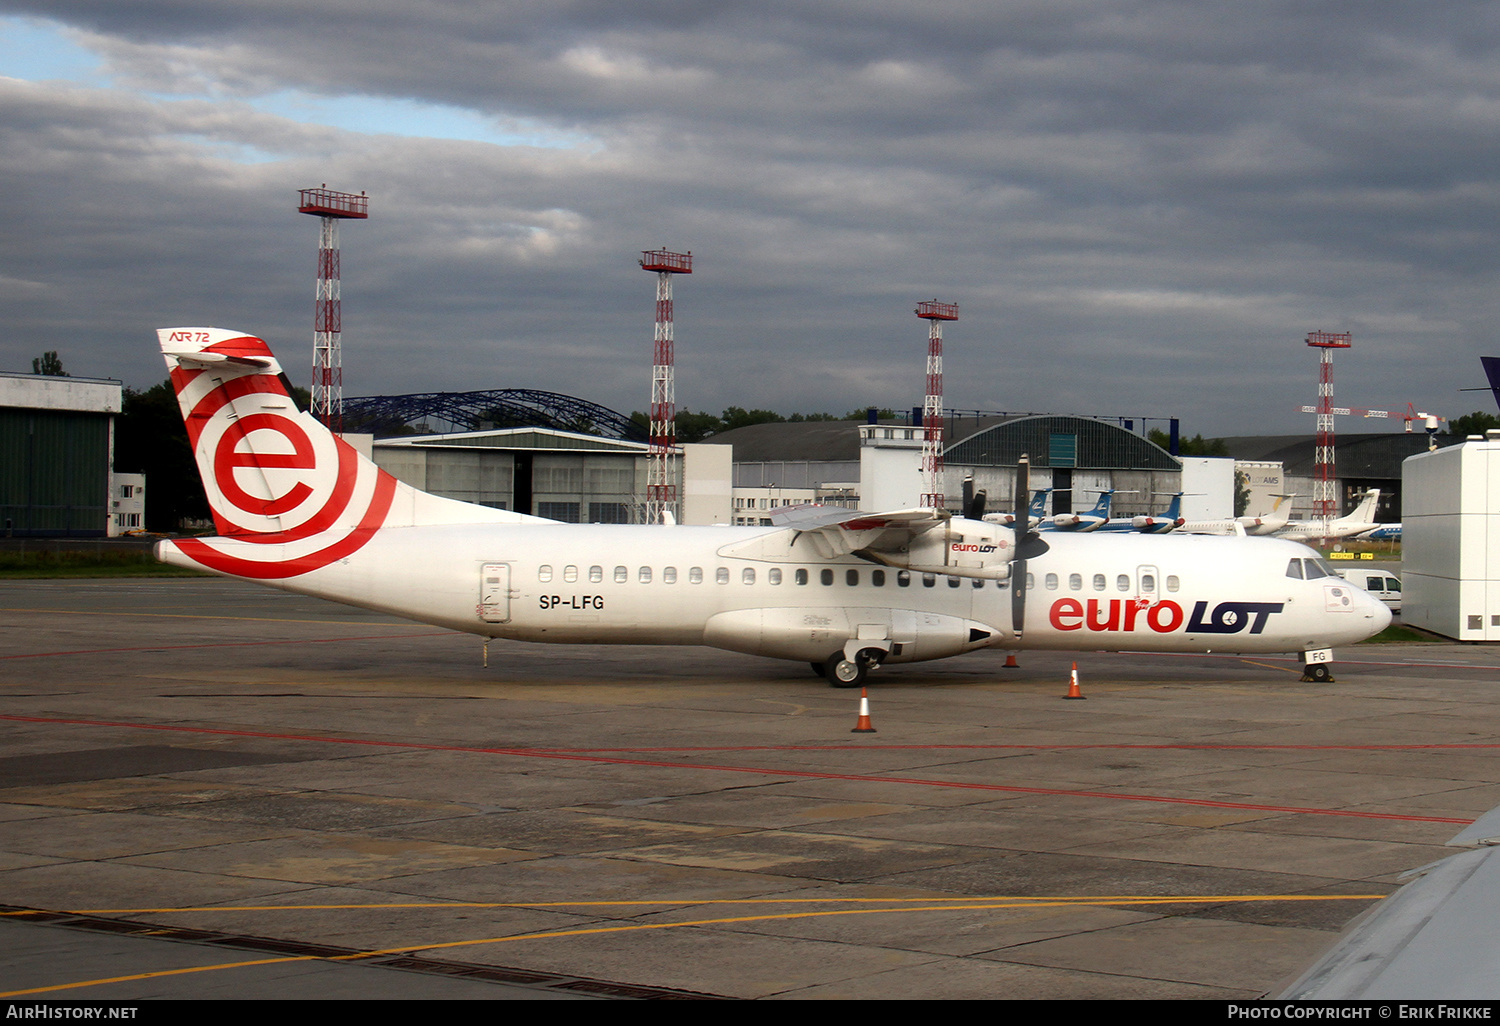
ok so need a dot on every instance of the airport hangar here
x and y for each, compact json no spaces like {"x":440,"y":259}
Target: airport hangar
{"x":739,"y":476}
{"x":1363,"y":461}
{"x":57,"y":447}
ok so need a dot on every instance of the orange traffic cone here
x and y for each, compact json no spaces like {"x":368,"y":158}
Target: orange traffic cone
{"x":1073,"y":691}
{"x":1010,"y":661}
{"x":864,"y":726}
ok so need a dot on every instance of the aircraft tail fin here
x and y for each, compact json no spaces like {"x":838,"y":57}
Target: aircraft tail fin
{"x":277,"y":479}
{"x":1491,"y":366}
{"x":1365,"y":511}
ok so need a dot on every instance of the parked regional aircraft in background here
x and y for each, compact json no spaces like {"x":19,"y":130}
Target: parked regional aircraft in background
{"x":1360,"y":520}
{"x":1385,"y":532}
{"x":299,"y":509}
{"x":1168,"y":522}
{"x":1089,"y":520}
{"x":1034,"y":514}
{"x":1267,"y":524}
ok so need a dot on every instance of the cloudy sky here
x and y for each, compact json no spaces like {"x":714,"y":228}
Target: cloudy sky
{"x":1141,"y":206}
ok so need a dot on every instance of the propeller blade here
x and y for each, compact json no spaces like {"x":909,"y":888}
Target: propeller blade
{"x":1022,"y":529}
{"x":975,"y":508}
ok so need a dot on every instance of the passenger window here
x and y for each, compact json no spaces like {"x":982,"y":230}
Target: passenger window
{"x":1075,"y":582}
{"x":1148,"y":584}
{"x":774,"y":575}
{"x":877,"y":578}
{"x":669,"y":575}
{"x":1031,"y":582}
{"x":621,"y":575}
{"x":929,"y":580}
{"x":801,"y":576}
{"x":851,"y":578}
{"x":645,"y":575}
{"x":1294,"y":569}
{"x":903,"y":578}
{"x":1098,"y":582}
{"x":695,"y":575}
{"x":826,"y":576}
{"x":954,"y":582}
{"x":747,"y":575}
{"x":1051,"y":582}
{"x":596,"y":574}
{"x":1172,"y":583}
{"x":544,"y":573}
{"x":721,"y":575}
{"x":570,"y":574}
{"x":978,"y":582}
{"x":1122,"y":582}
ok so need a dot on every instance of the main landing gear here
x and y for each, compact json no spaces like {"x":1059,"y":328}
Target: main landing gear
{"x":843,"y":672}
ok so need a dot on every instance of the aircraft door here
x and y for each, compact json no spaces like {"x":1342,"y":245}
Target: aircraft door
{"x":1147,"y":585}
{"x":494,"y":593}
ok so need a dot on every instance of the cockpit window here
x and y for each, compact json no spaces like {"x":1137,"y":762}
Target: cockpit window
{"x":1294,"y":569}
{"x":1317,"y":568}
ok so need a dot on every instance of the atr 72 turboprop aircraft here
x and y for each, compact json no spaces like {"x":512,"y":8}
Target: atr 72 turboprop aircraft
{"x":297,"y":508}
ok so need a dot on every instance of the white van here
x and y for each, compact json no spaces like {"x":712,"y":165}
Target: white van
{"x":1382,"y":584}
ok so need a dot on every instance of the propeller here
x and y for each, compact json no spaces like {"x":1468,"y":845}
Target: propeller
{"x":974,"y":508}
{"x":1028,"y":544}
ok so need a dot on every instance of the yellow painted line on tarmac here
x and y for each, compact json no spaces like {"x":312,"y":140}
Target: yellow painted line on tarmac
{"x":1271,"y":666}
{"x":946,"y":905}
{"x":639,"y":902}
{"x":152,"y":976}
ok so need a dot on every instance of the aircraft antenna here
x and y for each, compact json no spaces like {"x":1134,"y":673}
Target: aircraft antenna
{"x":328,"y":361}
{"x":661,"y":470}
{"x":1325,"y":505}
{"x":935,"y":314}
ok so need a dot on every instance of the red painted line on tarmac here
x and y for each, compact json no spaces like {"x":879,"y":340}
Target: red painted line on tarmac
{"x":1029,"y":748}
{"x":536,"y":753}
{"x":218,"y":644}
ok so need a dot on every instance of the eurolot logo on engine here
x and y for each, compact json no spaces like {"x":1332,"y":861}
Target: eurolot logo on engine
{"x":1164,"y":617}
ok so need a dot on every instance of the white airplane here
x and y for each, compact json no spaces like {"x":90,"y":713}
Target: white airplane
{"x":1358,"y":521}
{"x":297,"y":508}
{"x":1267,"y":524}
{"x":1168,"y":522}
{"x":1088,"y":520}
{"x":1034,"y":513}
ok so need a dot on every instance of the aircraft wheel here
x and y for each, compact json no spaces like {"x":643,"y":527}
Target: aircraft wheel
{"x":1318,"y":673}
{"x":844,"y":673}
{"x":819,"y":669}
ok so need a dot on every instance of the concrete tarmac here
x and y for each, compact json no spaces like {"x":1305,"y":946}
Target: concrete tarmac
{"x":212,"y":789}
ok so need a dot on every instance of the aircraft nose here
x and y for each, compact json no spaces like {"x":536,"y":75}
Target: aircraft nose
{"x":1380,"y":614}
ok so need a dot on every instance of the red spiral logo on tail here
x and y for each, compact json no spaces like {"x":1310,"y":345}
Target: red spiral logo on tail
{"x":276,"y":478}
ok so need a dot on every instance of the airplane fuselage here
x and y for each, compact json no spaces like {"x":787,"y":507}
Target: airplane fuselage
{"x":766,"y":591}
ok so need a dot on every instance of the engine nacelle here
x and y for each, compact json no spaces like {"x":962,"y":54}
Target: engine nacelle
{"x":959,"y":548}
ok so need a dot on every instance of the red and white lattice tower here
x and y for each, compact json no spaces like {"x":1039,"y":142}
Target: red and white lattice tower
{"x":661,"y":468}
{"x":328,"y":361}
{"x":935,"y":314}
{"x":1325,"y":503}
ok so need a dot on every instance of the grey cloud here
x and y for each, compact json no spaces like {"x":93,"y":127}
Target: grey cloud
{"x":1141,"y":206}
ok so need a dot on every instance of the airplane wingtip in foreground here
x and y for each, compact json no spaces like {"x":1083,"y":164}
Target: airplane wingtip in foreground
{"x":297,"y":508}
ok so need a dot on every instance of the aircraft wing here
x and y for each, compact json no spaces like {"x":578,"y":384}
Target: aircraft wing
{"x":837,"y":531}
{"x":1433,"y":939}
